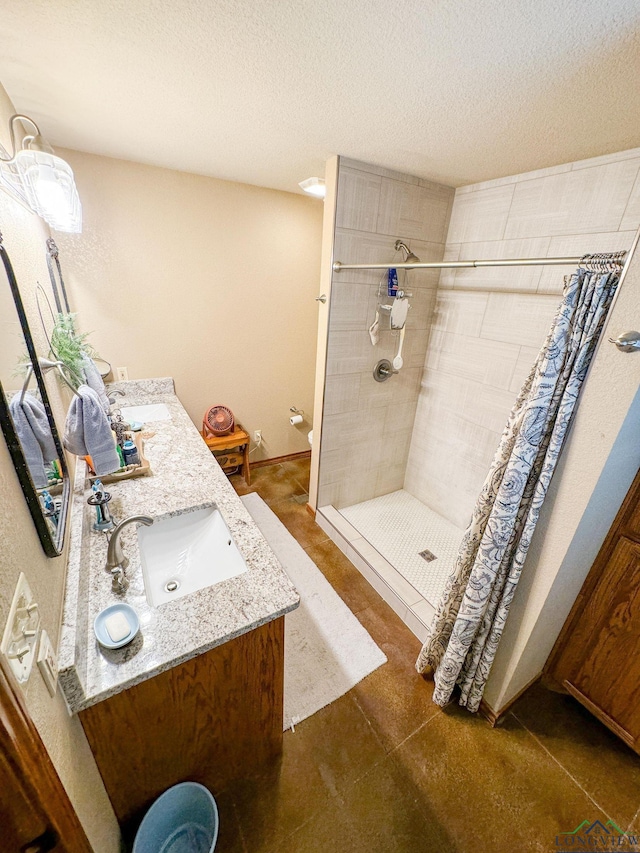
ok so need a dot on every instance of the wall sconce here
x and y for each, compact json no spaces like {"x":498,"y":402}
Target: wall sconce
{"x":45,"y":182}
{"x":314,"y":186}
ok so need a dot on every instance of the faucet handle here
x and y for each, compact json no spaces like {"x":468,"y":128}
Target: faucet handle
{"x":119,"y":581}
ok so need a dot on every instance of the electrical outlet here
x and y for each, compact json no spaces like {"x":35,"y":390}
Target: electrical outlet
{"x":122,"y":374}
{"x":257,"y":437}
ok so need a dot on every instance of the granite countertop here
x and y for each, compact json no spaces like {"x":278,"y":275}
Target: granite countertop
{"x":184,"y":475}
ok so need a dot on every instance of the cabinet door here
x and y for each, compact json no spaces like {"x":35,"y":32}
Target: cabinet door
{"x":600,"y":664}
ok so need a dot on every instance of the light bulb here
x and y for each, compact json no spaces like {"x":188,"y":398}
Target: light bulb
{"x":314,"y":186}
{"x":50,"y":189}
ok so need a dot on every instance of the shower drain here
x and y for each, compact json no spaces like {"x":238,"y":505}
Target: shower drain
{"x":427,"y":555}
{"x":171,"y":586}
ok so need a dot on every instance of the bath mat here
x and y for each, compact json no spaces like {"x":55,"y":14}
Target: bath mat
{"x":326,"y":649}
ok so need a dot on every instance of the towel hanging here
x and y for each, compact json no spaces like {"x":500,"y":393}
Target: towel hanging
{"x":87,"y":432}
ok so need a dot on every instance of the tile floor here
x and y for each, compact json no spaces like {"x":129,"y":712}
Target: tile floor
{"x":401,"y":528}
{"x":383,"y":769}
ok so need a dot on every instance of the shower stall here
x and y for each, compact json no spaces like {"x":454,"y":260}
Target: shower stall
{"x":367,"y":500}
{"x":404,"y":451}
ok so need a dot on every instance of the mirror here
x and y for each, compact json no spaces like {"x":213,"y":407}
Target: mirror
{"x":51,"y":316}
{"x":47,"y":317}
{"x":27,"y":421}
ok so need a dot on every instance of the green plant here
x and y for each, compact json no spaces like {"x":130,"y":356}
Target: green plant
{"x":69,"y":347}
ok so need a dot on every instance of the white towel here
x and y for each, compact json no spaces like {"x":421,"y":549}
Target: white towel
{"x":34,"y":433}
{"x":94,"y":380}
{"x":87,"y":432}
{"x":374,"y":329}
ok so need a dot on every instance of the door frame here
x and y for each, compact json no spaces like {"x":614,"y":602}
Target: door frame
{"x":33,"y":774}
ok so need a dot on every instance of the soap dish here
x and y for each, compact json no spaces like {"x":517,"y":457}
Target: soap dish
{"x":100,"y":629}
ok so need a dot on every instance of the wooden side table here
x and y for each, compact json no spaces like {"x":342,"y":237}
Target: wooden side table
{"x":231,"y":451}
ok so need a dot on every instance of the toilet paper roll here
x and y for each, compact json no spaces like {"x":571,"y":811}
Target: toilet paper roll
{"x":296,"y":419}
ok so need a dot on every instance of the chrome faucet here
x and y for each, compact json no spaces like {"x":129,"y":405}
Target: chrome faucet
{"x":113,"y":392}
{"x":116,"y":560}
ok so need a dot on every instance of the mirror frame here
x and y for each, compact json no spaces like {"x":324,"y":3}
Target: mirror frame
{"x":41,"y":296}
{"x":59,"y":293}
{"x":51,"y":545}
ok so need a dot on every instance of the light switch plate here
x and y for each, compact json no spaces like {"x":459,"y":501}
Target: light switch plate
{"x":47,"y":663}
{"x":20,"y":637}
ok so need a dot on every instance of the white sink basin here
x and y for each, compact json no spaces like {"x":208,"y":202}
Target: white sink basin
{"x":150,"y":412}
{"x":187,"y":552}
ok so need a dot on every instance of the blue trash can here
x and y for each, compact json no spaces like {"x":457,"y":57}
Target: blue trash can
{"x":182,"y":820}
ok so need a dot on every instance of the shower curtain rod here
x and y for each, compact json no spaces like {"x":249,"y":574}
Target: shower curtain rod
{"x":449,"y":265}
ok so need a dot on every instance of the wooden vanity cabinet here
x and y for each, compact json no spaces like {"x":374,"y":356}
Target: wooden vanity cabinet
{"x":597,"y":656}
{"x":216,"y":718}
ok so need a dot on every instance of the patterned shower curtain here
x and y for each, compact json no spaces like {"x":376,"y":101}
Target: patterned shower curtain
{"x":471,"y":614}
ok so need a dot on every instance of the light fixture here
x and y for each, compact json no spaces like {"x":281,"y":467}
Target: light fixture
{"x":43,"y":180}
{"x":314,"y":186}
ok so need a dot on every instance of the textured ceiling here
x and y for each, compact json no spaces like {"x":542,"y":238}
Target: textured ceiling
{"x":264,"y":92}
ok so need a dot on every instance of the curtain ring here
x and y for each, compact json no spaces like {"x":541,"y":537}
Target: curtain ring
{"x":603,"y":262}
{"x":619,"y":258}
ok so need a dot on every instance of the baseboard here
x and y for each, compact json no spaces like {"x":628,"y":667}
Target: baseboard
{"x":311,"y":510}
{"x":278,"y":460}
{"x":493,"y":716}
{"x":485,"y":710}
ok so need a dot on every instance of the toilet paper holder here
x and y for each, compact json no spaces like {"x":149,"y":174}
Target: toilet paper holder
{"x":298,"y":416}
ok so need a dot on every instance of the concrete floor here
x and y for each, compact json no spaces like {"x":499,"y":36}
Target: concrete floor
{"x":383,"y":769}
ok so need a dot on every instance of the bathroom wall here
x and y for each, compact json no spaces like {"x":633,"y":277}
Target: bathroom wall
{"x":490,"y":323}
{"x":367,"y":425}
{"x":24,"y":237}
{"x":208,"y":281}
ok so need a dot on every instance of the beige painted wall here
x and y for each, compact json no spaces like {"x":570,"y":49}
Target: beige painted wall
{"x":24,"y":237}
{"x":208,"y":281}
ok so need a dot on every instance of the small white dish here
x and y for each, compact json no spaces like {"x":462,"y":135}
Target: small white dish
{"x":100,"y":629}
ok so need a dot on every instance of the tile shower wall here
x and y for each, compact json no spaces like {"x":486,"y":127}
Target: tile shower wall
{"x":489,"y":324}
{"x":367,"y":425}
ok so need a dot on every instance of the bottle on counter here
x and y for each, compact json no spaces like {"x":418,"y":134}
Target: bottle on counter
{"x":130,"y":453}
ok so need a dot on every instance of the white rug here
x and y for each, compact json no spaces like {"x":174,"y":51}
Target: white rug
{"x":326,"y":651}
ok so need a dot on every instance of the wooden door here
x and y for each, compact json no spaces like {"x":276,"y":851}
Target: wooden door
{"x":597,"y":656}
{"x":36,"y":814}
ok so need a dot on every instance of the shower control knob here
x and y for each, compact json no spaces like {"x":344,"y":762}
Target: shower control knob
{"x":322,"y":298}
{"x":383,"y":370}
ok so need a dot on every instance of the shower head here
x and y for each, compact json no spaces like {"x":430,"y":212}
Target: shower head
{"x":410,"y":258}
